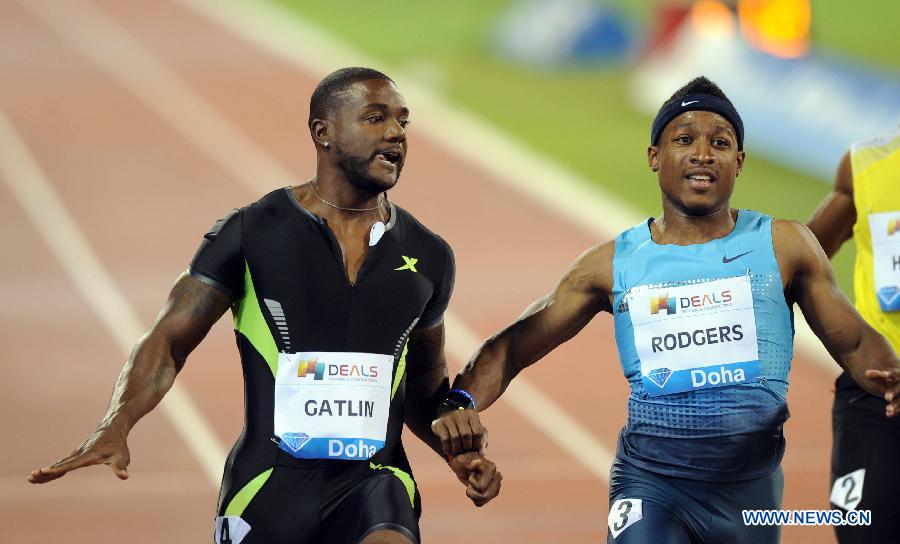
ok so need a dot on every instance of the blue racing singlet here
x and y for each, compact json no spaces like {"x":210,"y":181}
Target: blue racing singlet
{"x":705,"y":339}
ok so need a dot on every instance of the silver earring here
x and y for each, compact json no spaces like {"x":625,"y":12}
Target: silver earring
{"x":325,"y":144}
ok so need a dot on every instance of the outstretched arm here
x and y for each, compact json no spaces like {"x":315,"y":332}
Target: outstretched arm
{"x":582,"y":292}
{"x":833,"y":221}
{"x":856,"y":346}
{"x":192,"y":308}
{"x":426,"y":386}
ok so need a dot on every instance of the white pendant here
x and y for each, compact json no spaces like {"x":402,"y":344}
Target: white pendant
{"x":376,"y":233}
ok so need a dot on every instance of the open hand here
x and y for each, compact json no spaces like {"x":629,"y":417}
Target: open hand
{"x":103,"y":447}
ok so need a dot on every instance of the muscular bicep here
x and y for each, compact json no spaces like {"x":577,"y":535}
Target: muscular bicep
{"x":827,"y":310}
{"x":426,"y":381}
{"x":191,"y":310}
{"x":426,"y":366}
{"x":583,"y":291}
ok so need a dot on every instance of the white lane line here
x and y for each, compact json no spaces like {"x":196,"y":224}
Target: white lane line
{"x":548,"y":182}
{"x":122,"y":57}
{"x":117,"y":52}
{"x":46,"y":210}
{"x":535,"y":407}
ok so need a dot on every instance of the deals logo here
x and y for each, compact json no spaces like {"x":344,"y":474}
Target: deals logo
{"x":352,"y":372}
{"x":310,"y":367}
{"x":336,"y":371}
{"x":662,"y":302}
{"x":693,"y":303}
{"x":893,"y":226}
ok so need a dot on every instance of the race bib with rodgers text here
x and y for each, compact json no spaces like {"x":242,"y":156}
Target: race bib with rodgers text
{"x":695,"y":336}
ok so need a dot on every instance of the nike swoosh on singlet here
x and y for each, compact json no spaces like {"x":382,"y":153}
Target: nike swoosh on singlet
{"x":726,"y":259}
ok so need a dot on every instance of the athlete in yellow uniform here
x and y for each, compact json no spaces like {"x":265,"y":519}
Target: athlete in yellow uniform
{"x":865,"y":204}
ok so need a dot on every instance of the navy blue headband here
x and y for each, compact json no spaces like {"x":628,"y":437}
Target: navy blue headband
{"x":697,"y":102}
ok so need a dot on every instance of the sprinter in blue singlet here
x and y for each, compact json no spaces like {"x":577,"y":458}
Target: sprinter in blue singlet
{"x":702,"y":302}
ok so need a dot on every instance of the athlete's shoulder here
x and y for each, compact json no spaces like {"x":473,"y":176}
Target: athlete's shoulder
{"x":867,"y":153}
{"x":600,"y":254}
{"x":273,"y":200}
{"x":631,"y":239}
{"x":753,"y":215}
{"x":789,"y":230}
{"x":229,"y":221}
{"x":234,"y":217}
{"x":752,"y":221}
{"x":594,"y":267}
{"x":889,"y":141}
{"x":411,"y":228}
{"x":795,"y":244}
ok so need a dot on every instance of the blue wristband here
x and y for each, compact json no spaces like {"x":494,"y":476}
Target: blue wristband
{"x":456,"y":399}
{"x":466,"y":394}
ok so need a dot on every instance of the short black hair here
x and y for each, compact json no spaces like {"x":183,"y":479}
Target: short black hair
{"x":325,"y":98}
{"x":698,"y":85}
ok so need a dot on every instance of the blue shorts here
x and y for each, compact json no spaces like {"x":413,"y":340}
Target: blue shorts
{"x":649,"y":507}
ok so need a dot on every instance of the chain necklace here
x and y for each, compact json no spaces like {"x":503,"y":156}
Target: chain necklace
{"x":312,"y":184}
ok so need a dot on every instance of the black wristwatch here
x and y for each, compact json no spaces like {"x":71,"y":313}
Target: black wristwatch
{"x":456,"y":399}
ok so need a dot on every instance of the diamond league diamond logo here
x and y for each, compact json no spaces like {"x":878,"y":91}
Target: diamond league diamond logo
{"x":295,"y":441}
{"x":659,"y":376}
{"x":888,"y":295}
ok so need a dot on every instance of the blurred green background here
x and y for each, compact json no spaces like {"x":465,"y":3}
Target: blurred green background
{"x":580,"y":114}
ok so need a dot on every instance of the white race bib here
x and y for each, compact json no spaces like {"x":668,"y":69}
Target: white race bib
{"x":885,"y":230}
{"x":695,"y":336}
{"x":332,"y":405}
{"x":231,"y":530}
{"x":848,"y":489}
{"x":623,"y":514}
